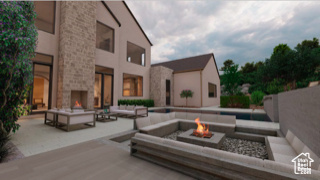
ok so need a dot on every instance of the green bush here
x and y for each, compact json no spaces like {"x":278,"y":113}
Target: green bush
{"x":137,"y":102}
{"x":257,"y":97}
{"x":235,"y":101}
{"x":275,"y":87}
{"x":4,"y":139}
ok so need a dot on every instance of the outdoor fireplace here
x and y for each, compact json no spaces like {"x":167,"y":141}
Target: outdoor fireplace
{"x":79,"y":99}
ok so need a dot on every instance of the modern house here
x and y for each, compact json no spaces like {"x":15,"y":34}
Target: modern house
{"x":199,"y":74}
{"x":91,"y":52}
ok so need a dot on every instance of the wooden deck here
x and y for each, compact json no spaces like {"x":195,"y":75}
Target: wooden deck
{"x":89,"y":160}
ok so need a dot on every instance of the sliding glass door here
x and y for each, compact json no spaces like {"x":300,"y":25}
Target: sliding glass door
{"x":103,"y":88}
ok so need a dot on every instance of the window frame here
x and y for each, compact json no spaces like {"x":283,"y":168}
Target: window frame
{"x":215,"y":94}
{"x":113,"y":37}
{"x":145,"y":56}
{"x":54,"y":20}
{"x":123,"y":85}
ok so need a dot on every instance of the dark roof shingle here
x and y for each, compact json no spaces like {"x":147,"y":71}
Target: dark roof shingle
{"x":187,"y":64}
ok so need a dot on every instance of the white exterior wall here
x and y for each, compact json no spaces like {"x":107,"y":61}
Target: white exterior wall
{"x":130,"y":31}
{"x":210,"y":75}
{"x":48,"y":44}
{"x":187,"y":80}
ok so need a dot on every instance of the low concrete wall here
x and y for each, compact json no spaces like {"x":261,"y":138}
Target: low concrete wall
{"x":271,"y":107}
{"x":299,"y":111}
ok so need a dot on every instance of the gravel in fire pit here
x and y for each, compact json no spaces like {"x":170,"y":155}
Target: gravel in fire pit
{"x":240,"y":146}
{"x":173,"y":136}
{"x":245,"y":147}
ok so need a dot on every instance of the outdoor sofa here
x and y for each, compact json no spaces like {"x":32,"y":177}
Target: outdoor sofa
{"x":285,"y":149}
{"x":64,"y":119}
{"x":130,"y":110}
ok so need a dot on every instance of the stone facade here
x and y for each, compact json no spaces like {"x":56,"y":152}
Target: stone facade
{"x":76,"y":51}
{"x":158,"y":77}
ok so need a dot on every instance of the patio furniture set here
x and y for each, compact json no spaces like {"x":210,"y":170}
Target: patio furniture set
{"x":65,"y":119}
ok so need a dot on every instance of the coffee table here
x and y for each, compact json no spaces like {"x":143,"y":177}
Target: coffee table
{"x":106,"y":117}
{"x":214,"y":142}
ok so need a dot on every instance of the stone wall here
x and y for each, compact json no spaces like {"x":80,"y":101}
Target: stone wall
{"x":77,"y":51}
{"x":158,"y":77}
{"x":299,"y":112}
{"x":271,"y":107}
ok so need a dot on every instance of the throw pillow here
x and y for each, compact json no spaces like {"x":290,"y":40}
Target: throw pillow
{"x":122,"y":107}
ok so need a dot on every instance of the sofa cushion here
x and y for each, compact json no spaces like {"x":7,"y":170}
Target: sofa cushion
{"x":172,"y":115}
{"x":193,"y":116}
{"x":161,"y":129}
{"x":130,"y":107}
{"x":148,"y":137}
{"x":165,"y":117}
{"x":277,"y":140}
{"x":209,"y":117}
{"x":122,"y":107}
{"x":143,"y":122}
{"x":183,"y":146}
{"x":155,"y":118}
{"x":297,"y":145}
{"x":181,"y":115}
{"x":226,"y":119}
{"x":290,"y":136}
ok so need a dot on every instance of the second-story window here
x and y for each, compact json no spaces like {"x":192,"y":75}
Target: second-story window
{"x":136,"y":54}
{"x":45,"y":15}
{"x":105,"y":37}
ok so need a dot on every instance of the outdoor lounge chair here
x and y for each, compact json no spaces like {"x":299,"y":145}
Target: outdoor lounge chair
{"x":130,"y":111}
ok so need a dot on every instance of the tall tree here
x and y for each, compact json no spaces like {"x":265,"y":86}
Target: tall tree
{"x":18,"y":38}
{"x":226,"y":64}
{"x":231,"y":80}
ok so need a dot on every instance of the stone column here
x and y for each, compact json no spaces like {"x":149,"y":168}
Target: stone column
{"x":77,"y":44}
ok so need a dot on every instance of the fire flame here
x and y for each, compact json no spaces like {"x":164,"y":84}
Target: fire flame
{"x":202,"y":129}
{"x":78,"y":104}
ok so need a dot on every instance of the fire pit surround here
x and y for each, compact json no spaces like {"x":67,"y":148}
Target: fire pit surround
{"x":79,"y":99}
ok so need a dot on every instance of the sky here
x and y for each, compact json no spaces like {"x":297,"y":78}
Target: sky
{"x":243,"y":31}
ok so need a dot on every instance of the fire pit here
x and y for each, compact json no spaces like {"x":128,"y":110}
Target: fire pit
{"x":202,"y":136}
{"x":77,"y":105}
{"x":202,"y":130}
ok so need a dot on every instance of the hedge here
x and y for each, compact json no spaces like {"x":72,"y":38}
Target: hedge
{"x":136,"y":102}
{"x":235,"y":101}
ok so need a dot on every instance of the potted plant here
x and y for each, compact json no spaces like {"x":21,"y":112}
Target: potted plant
{"x":187,"y":93}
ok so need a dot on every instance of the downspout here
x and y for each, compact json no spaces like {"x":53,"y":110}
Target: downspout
{"x":201,"y":86}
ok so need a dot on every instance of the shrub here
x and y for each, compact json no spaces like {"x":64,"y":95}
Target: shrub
{"x":18,"y":38}
{"x":257,"y":97}
{"x":185,"y":94}
{"x":235,"y":101}
{"x":275,"y":86}
{"x":4,"y":139}
{"x":137,"y":102}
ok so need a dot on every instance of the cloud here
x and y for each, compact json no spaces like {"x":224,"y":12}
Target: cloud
{"x":243,"y":31}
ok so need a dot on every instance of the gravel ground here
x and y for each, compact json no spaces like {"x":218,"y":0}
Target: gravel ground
{"x":240,"y":146}
{"x":245,"y":147}
{"x":173,"y":136}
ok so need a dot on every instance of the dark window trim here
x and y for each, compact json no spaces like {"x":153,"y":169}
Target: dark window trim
{"x":145,"y":55}
{"x":102,"y":86}
{"x":39,"y":62}
{"x":112,"y":37}
{"x":123,"y":82}
{"x":215,"y":95}
{"x":50,"y":83}
{"x":54,"y":20}
{"x":114,"y":17}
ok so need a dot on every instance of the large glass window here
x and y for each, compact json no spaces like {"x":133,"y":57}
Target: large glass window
{"x":103,"y":86}
{"x":45,"y":15}
{"x":105,"y":37}
{"x":132,"y":85}
{"x":212,"y":89}
{"x":135,"y":54}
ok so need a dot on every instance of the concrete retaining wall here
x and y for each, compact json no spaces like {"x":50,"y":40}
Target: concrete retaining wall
{"x":271,"y":107}
{"x":299,"y":111}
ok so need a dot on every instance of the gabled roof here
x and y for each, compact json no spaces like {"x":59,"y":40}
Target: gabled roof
{"x":114,"y":17}
{"x":125,"y":4}
{"x":195,"y":63}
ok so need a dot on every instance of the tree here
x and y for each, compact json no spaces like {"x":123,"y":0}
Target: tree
{"x":187,"y":93}
{"x":227,"y":63}
{"x":231,"y":80}
{"x":18,"y":38}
